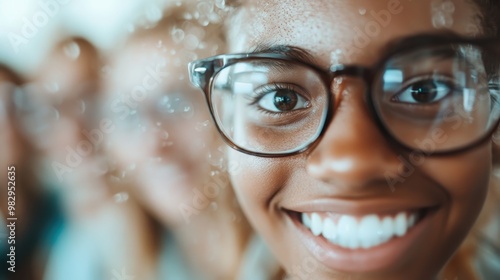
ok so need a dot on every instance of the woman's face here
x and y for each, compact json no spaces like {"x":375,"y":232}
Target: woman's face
{"x":62,"y":96}
{"x":342,"y":180}
{"x":161,"y":141}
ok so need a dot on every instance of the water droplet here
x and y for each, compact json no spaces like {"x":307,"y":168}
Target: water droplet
{"x":448,"y":7}
{"x":202,"y":125}
{"x":160,"y":44}
{"x":164,"y":135}
{"x":115,"y":179}
{"x":153,"y":13}
{"x":335,"y":57}
{"x":191,"y":42}
{"x":442,"y":13}
{"x":169,"y":143}
{"x":362,"y":11}
{"x":101,"y":167}
{"x":221,"y":4}
{"x":121,"y":197}
{"x":177,"y":36}
{"x":216,"y":160}
{"x":72,"y":50}
{"x":214,"y":18}
{"x":214,"y":205}
{"x":441,"y":20}
{"x":164,"y":100}
{"x":205,"y":8}
{"x":158,"y":123}
{"x":205,"y":22}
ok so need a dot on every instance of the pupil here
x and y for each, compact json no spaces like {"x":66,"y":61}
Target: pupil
{"x":424,"y":91}
{"x":285,"y":100}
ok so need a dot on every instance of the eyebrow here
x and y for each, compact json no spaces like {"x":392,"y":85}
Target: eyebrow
{"x":292,"y":52}
{"x":395,"y":45}
{"x":405,"y":42}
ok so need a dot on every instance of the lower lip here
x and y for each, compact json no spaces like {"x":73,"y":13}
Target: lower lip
{"x":387,"y":255}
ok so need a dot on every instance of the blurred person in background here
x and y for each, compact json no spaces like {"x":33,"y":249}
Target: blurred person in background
{"x":36,"y":211}
{"x":95,"y":240}
{"x":167,"y":155}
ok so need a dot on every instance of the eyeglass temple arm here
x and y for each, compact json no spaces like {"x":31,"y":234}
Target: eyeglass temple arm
{"x":198,"y":73}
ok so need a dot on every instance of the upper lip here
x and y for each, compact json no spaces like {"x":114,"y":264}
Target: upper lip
{"x":359,"y":207}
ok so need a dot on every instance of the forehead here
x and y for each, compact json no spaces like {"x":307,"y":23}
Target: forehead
{"x":359,"y":27}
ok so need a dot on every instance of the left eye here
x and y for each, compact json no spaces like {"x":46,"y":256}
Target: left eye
{"x":424,"y":92}
{"x":282,"y":100}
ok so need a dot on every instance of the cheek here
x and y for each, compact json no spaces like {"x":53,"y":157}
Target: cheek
{"x":465,"y":181}
{"x":256,"y":179}
{"x":463,"y":177}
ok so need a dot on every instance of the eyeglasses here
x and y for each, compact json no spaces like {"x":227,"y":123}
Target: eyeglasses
{"x":434,"y":94}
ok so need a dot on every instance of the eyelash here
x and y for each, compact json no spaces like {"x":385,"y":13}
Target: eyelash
{"x":447,"y":80}
{"x":266,"y":90}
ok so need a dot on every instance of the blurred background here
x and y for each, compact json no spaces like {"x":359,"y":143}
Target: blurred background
{"x":29,"y":28}
{"x":112,"y":168}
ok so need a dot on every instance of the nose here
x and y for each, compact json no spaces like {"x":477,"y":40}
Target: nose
{"x":353,"y":152}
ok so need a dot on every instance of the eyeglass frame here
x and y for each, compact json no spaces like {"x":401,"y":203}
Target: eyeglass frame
{"x":202,"y":73}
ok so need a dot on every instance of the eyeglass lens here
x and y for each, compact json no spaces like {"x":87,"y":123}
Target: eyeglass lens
{"x":439,"y":94}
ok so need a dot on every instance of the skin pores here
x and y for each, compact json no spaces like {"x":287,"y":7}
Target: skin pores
{"x":344,"y":173}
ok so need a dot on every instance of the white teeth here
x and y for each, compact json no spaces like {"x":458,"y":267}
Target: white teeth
{"x":316,"y":224}
{"x":411,"y":220}
{"x":363,"y":232}
{"x":387,"y":228}
{"x":306,"y":220}
{"x":367,"y":228}
{"x":348,"y":228}
{"x":329,"y":230}
{"x":400,"y":224}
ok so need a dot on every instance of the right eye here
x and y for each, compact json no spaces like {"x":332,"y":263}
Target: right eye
{"x":281,"y":99}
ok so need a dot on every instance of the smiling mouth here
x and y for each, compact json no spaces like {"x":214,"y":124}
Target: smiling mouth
{"x":355,"y":232}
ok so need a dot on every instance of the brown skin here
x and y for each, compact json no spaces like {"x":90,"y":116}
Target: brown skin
{"x":457,"y":184}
